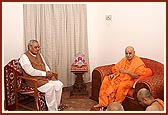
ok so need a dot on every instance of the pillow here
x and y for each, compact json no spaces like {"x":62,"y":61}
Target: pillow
{"x":147,"y":74}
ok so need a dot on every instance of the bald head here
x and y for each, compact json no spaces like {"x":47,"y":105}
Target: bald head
{"x":129,"y":48}
{"x":144,"y":97}
{"x":144,"y":93}
{"x":129,"y":52}
{"x":115,"y":106}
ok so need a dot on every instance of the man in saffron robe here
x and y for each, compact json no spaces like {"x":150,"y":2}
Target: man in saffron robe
{"x":145,"y":98}
{"x":115,"y":87}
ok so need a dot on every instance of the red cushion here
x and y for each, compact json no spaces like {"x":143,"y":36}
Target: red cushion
{"x":26,"y":90}
{"x":130,"y":93}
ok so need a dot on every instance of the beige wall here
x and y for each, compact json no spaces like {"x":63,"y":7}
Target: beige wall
{"x":12,"y":32}
{"x":142,"y":25}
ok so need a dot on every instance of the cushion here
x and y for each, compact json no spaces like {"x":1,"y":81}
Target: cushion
{"x":26,"y":90}
{"x":130,"y":93}
{"x":147,"y":74}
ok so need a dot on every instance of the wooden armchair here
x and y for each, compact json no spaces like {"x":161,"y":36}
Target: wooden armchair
{"x":17,"y":93}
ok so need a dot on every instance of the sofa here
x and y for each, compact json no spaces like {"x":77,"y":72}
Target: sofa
{"x":155,"y":83}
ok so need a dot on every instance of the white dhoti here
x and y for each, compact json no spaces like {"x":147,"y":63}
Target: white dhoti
{"x":53,"y":93}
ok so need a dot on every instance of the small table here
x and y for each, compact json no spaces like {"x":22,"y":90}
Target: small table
{"x":79,"y":87}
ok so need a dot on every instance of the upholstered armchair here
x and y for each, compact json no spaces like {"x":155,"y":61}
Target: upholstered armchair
{"x":154,"y":83}
{"x":17,"y":92}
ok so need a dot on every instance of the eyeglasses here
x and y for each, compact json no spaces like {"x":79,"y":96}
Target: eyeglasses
{"x":36,"y":47}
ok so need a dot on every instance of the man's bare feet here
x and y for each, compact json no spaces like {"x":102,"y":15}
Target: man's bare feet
{"x":98,"y":105}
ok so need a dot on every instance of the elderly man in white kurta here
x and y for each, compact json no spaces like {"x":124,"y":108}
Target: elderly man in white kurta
{"x":35,"y":66}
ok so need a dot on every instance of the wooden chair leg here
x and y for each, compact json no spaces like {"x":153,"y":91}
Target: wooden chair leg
{"x":17,"y":108}
{"x":36,"y":103}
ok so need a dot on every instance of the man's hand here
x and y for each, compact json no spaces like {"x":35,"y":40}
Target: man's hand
{"x":55,"y":75}
{"x":49,"y":74}
{"x":124,"y":71}
{"x":111,"y":76}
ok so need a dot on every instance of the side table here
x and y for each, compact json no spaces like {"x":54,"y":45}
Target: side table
{"x":79,"y":87}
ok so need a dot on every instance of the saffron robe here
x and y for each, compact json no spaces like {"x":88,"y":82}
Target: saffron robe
{"x":117,"y":88}
{"x":160,"y":102}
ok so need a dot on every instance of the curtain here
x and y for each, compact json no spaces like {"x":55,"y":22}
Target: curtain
{"x":61,"y":30}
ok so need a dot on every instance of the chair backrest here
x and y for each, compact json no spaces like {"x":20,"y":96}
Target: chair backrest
{"x":11,"y":70}
{"x":16,"y":66}
{"x":157,"y":67}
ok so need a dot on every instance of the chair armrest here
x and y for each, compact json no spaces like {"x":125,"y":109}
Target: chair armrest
{"x":102,"y":71}
{"x":154,"y":83}
{"x":28,"y":78}
{"x":97,"y":76}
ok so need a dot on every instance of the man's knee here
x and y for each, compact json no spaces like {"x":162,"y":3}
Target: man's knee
{"x":51,"y":86}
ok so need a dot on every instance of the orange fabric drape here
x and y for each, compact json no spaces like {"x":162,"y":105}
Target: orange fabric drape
{"x":117,"y":88}
{"x":160,"y":102}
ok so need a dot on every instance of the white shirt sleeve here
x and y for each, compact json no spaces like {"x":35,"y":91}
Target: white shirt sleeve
{"x":26,"y":65}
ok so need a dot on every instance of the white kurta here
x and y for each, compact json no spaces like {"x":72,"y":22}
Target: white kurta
{"x":52,"y":89}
